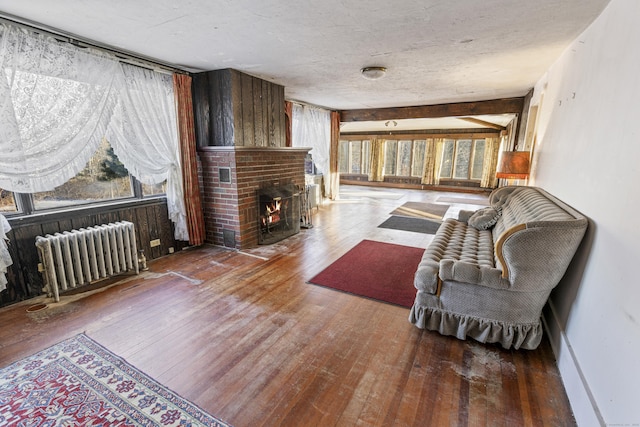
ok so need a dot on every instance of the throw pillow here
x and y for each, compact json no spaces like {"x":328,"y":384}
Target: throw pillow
{"x":497,"y":201}
{"x":485,"y":218}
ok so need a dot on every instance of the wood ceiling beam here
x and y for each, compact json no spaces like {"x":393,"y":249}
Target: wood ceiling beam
{"x":483,"y":123}
{"x":495,"y":106}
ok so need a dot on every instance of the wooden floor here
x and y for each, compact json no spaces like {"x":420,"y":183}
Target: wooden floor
{"x":244,"y":336}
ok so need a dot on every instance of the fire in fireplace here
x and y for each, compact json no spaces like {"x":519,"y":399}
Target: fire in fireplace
{"x":278,"y":213}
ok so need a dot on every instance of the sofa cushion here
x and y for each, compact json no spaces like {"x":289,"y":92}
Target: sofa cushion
{"x":455,"y":241}
{"x":485,"y":218}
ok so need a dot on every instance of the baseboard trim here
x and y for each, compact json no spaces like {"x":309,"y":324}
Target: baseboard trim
{"x":583,"y":404}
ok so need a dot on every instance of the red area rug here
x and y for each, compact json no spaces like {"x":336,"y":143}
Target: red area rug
{"x":80,"y":383}
{"x":381,"y":271}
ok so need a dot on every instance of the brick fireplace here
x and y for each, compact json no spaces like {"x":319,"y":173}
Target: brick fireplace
{"x":231,"y":178}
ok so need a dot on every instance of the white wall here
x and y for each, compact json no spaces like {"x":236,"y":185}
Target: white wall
{"x":588,"y":154}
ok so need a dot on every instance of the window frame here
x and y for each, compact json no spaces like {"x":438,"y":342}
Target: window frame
{"x":365,"y":164}
{"x":413,"y":156}
{"x":25,"y":208}
{"x":15,"y":203}
{"x":422,"y":136}
{"x":455,"y":159}
{"x":26,"y":205}
{"x":398,"y":157}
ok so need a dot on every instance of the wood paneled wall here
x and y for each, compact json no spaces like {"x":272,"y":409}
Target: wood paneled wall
{"x":235,"y":109}
{"x":149,"y":216}
{"x":240,"y":124}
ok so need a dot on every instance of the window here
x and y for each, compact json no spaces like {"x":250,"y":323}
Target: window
{"x":405,"y":150}
{"x":155,"y":189}
{"x":7,"y":201}
{"x":366,"y":157}
{"x":478,"y":159}
{"x":104,"y":178}
{"x":345,"y":164}
{"x":390,"y":157}
{"x":417,"y":164}
{"x":462,"y":159}
{"x":404,"y":157}
{"x":354,"y":157}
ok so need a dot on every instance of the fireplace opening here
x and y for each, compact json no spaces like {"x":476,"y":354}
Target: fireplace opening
{"x":278,"y":213}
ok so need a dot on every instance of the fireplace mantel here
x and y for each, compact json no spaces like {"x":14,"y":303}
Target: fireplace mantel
{"x":259,"y":149}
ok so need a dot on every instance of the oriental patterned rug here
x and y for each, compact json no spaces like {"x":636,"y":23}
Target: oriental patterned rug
{"x":80,"y":383}
{"x":376,"y":270}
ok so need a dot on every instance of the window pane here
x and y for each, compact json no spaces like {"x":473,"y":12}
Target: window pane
{"x":7,"y":202}
{"x":417,"y":167}
{"x":390,"y":157}
{"x":366,"y":157}
{"x":447,"y":158}
{"x":343,"y":160}
{"x":478,"y":159}
{"x":404,"y":158}
{"x":155,"y":189}
{"x":356,"y":153}
{"x":463,"y":157}
{"x":104,"y":178}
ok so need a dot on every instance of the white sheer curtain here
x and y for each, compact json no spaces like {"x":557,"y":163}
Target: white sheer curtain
{"x":311,"y":127}
{"x":490,"y":163}
{"x":144,"y":135}
{"x":57,"y":102}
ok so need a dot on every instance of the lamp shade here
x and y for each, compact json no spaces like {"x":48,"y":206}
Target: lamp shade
{"x":513,"y":165}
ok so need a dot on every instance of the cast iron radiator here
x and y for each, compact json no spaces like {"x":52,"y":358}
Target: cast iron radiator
{"x":78,"y":257}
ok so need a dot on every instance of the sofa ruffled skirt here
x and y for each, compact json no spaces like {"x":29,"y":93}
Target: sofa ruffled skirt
{"x":527,"y":336}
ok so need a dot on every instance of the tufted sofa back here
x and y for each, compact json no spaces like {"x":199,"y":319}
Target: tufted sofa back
{"x":536,"y":233}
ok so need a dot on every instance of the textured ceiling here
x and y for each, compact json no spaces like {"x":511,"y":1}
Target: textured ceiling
{"x":436,"y":51}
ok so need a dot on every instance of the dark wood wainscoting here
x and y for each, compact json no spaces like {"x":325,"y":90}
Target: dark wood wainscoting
{"x":149,"y":216}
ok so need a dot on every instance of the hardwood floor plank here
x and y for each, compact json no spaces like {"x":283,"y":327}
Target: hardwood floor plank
{"x":464,"y":391}
{"x":243,"y":335}
{"x":483,"y":366}
{"x":513,"y":411}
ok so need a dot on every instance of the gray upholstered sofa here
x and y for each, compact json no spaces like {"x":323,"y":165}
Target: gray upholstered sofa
{"x":488,"y":274}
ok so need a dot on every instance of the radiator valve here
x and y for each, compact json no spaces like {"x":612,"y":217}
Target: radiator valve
{"x":142,"y":260}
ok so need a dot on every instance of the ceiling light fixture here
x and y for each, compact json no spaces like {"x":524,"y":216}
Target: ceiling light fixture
{"x":373,"y":73}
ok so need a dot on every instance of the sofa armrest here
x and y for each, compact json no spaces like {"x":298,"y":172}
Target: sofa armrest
{"x":426,"y":277}
{"x":500,"y":245}
{"x":461,"y":271}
